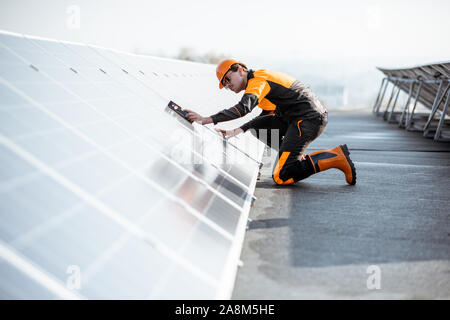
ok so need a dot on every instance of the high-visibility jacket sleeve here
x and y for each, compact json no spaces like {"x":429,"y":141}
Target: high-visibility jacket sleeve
{"x":258,"y":87}
{"x":247,"y":104}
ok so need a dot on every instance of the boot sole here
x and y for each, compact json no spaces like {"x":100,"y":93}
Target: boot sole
{"x":350,"y":162}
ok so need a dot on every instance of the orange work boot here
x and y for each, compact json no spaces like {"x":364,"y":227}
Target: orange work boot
{"x":338,"y":158}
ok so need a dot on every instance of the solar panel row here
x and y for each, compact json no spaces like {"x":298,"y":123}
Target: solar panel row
{"x":95,"y":176}
{"x":427,"y":84}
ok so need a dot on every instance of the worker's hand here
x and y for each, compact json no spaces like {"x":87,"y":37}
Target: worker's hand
{"x":194,"y":116}
{"x":229,"y":133}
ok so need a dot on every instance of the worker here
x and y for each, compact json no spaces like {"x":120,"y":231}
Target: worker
{"x":288,"y":106}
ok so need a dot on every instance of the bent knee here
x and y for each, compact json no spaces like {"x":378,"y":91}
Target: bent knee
{"x":282,"y":182}
{"x":284,"y":179}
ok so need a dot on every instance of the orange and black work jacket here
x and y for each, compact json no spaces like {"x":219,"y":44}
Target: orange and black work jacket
{"x":274,"y":92}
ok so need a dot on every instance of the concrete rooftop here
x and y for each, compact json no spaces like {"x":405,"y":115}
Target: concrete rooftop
{"x":317,"y":238}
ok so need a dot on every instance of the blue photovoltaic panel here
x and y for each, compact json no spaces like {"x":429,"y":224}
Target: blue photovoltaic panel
{"x":95,"y":174}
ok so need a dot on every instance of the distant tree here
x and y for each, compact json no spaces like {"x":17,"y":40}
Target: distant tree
{"x":215,"y":58}
{"x":189,"y":54}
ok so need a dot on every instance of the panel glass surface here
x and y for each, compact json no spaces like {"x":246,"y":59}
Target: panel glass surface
{"x":95,"y":174}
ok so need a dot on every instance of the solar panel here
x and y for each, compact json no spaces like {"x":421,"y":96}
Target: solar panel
{"x":433,"y":73}
{"x":427,"y":84}
{"x":97,"y":177}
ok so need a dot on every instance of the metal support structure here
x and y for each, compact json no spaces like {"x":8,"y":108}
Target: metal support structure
{"x":427,"y":84}
{"x":390,"y":98}
{"x":437,"y":136}
{"x":416,"y":99}
{"x":379,"y":94}
{"x":386,"y":117}
{"x":433,"y":109}
{"x":378,"y":106}
{"x":406,"y":107}
{"x":385,"y":114}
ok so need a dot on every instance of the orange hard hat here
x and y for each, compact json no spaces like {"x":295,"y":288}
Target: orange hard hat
{"x":223,"y":67}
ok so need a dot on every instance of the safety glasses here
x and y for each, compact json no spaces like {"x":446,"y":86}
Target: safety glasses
{"x":226,"y":79}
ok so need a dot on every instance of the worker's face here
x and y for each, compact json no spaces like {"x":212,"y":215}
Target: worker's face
{"x":235,"y":81}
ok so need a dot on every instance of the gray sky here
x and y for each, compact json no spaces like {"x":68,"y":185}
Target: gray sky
{"x":322,"y":42}
{"x":321,"y":29}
